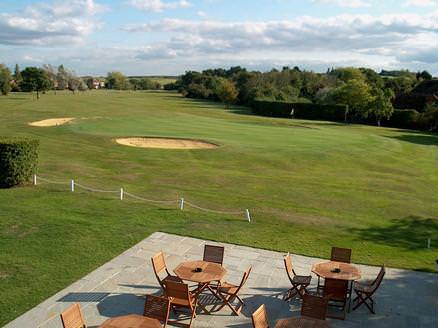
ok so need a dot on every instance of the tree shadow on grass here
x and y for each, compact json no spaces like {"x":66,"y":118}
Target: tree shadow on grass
{"x":410,"y":233}
{"x":419,"y":139}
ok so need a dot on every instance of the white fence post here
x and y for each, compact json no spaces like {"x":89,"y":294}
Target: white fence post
{"x":248,"y":216}
{"x":72,"y":185}
{"x":34,"y":180}
{"x":181,"y":204}
{"x":121,"y":193}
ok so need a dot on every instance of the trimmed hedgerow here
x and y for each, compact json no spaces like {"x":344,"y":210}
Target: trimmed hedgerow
{"x":18,"y":160}
{"x":404,"y":118}
{"x":307,"y":111}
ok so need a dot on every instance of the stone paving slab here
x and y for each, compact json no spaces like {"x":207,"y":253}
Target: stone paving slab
{"x":405,"y":298}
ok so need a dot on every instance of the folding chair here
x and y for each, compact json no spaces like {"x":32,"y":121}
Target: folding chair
{"x":72,"y":317}
{"x":337,"y":293}
{"x":365,"y":292}
{"x":260,"y":317}
{"x":229,"y":292}
{"x":299,"y":283}
{"x":159,"y":266}
{"x":338,"y":254}
{"x":157,"y":308}
{"x":314,"y":306}
{"x":341,"y":254}
{"x":214,"y":254}
{"x":181,"y":298}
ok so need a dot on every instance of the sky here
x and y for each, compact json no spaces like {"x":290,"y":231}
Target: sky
{"x":169,"y":37}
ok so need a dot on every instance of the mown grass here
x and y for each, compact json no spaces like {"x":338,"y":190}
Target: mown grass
{"x":309,"y":186}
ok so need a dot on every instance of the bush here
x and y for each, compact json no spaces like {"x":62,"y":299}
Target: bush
{"x":18,"y":160}
{"x":306,"y":111}
{"x":404,"y":119}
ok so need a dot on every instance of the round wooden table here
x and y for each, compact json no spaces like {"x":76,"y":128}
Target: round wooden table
{"x":131,"y":321}
{"x":301,"y":322}
{"x":347,"y":272}
{"x":209,"y":272}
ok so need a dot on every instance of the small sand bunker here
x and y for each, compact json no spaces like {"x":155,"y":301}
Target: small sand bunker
{"x":52,"y":121}
{"x":165,"y":143}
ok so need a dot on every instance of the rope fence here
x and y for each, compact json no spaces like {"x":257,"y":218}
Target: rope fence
{"x":181,"y":203}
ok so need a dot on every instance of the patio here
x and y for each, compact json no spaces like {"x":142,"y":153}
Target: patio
{"x":405,"y":299}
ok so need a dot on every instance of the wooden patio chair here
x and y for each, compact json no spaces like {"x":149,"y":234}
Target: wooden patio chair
{"x":299,"y":283}
{"x":157,"y":308}
{"x":365,"y":292}
{"x":341,"y":254}
{"x":159,"y":266}
{"x":73,"y":318}
{"x":314,"y":306}
{"x":337,"y":293}
{"x":214,"y":254}
{"x":260,"y":317}
{"x":230,"y":292}
{"x":181,"y":298}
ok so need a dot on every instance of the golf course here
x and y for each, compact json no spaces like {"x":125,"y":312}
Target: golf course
{"x":308,"y":185}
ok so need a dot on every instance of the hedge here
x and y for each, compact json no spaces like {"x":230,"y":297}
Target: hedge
{"x":404,"y":119}
{"x":300,"y":110}
{"x":18,"y":160}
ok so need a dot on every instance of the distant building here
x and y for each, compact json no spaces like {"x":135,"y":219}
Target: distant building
{"x":94,"y":83}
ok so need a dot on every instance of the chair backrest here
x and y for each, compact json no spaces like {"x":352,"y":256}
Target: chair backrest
{"x":157,"y":307}
{"x":158,"y":263}
{"x":314,"y":306}
{"x":336,"y":289}
{"x":260,"y":317}
{"x":178,"y":290}
{"x":214,"y":254}
{"x":376,"y":283}
{"x":341,"y":254}
{"x":288,"y":265}
{"x":244,"y":279}
{"x":72,"y":317}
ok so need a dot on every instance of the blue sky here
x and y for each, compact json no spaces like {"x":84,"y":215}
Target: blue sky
{"x":146,"y":37}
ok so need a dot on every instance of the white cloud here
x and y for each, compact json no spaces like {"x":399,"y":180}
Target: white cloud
{"x":345,"y":3}
{"x":356,"y":39}
{"x":159,"y":5}
{"x":50,"y":24}
{"x":420,"y":3}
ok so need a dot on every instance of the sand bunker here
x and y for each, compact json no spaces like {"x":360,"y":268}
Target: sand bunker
{"x":165,"y":143}
{"x":52,"y":121}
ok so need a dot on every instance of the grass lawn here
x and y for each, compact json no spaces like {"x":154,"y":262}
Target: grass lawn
{"x":309,"y":185}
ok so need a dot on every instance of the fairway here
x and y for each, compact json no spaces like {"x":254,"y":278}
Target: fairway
{"x":309,"y":185}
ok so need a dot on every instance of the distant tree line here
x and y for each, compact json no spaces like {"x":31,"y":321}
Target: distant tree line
{"x":368,"y":95}
{"x":47,"y":77}
{"x":39,"y":79}
{"x":118,"y":81}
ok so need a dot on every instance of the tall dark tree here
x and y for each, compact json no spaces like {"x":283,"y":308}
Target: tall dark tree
{"x":5,"y":79}
{"x":35,"y":79}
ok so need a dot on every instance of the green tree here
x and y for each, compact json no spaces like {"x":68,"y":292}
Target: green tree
{"x":424,"y":75}
{"x":35,"y":79}
{"x":118,"y":81}
{"x":226,"y":91}
{"x":356,"y":94}
{"x":5,"y":79}
{"x":17,"y":78}
{"x":431,"y":116}
{"x":346,"y":74}
{"x":381,"y":106}
{"x":62,"y":78}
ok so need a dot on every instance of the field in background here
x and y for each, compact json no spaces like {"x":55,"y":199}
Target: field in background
{"x":310,"y":185}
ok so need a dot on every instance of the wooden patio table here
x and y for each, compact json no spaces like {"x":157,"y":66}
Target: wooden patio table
{"x":131,"y":321}
{"x":301,"y":322}
{"x":209,"y":272}
{"x":347,"y":272}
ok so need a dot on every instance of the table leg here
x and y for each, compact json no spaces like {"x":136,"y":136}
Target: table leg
{"x":350,"y":295}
